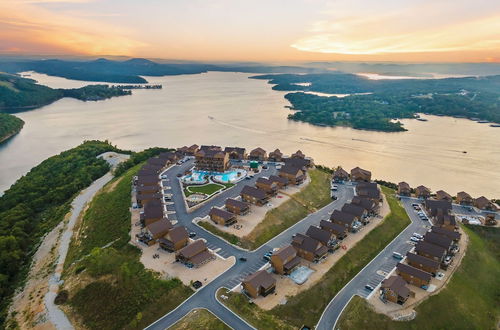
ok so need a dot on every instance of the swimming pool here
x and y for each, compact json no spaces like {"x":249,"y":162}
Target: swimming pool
{"x":199,"y":177}
{"x":301,"y":274}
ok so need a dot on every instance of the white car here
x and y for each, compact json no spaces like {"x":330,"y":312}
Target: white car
{"x":414,"y":239}
{"x":418,"y":236}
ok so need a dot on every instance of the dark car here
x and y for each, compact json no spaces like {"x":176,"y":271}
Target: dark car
{"x":192,"y":234}
{"x":243,"y":259}
{"x":197,"y":284}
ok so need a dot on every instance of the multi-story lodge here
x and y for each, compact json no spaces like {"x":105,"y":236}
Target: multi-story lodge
{"x":285,"y":260}
{"x":295,"y":175}
{"x":404,"y":189}
{"x":338,"y":230}
{"x":344,"y":219}
{"x":340,"y":175}
{"x":464,"y":198}
{"x":212,"y":159}
{"x":254,"y":195}
{"x":222,"y":217}
{"x":270,"y":187}
{"x":359,"y":174}
{"x":194,"y":254}
{"x":175,"y":239}
{"x":325,"y":237}
{"x":413,"y":275}
{"x":237,"y":207}
{"x":394,"y":289}
{"x":309,"y":248}
{"x":159,"y":228}
{"x":236,"y":153}
{"x":442,"y":195}
{"x":282,"y":182}
{"x":257,"y":154}
{"x":422,"y":192}
{"x":275,"y":156}
{"x":423,"y":263}
{"x":260,"y":283}
{"x":484,"y":203}
{"x":430,"y":251}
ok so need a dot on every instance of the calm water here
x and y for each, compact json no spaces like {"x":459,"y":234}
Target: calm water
{"x":248,"y":113}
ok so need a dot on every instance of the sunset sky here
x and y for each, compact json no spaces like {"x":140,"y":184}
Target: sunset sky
{"x":256,"y":30}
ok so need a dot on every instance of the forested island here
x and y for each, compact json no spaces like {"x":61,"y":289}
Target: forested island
{"x":19,"y":94}
{"x":9,"y":125}
{"x":374,"y":104}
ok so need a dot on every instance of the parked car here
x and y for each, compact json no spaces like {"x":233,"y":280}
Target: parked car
{"x":335,"y":187}
{"x":414,"y":239}
{"x":164,"y":176}
{"x":397,"y":255}
{"x":179,"y":175}
{"x":197,"y":284}
{"x":369,"y":287}
{"x":248,"y":178}
{"x":414,"y":204}
{"x":417,"y":235}
{"x":267,"y":256}
{"x":243,"y":259}
{"x":192,"y":234}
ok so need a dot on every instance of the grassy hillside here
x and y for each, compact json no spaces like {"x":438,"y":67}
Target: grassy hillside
{"x":107,"y":285}
{"x":36,"y":203}
{"x":307,"y":306}
{"x":471,"y":300}
{"x":9,"y":125}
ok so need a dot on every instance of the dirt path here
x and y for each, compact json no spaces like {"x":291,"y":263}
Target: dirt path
{"x":33,"y":307}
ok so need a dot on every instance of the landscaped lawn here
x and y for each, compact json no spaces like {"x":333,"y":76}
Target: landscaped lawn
{"x":109,"y":288}
{"x":208,"y":189}
{"x":200,"y":319}
{"x":469,"y":301}
{"x":307,"y":306}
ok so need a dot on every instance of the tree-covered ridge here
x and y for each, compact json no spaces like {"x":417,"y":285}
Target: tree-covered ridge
{"x":17,"y":93}
{"x":36,"y":203}
{"x":383,"y":100}
{"x":9,"y":125}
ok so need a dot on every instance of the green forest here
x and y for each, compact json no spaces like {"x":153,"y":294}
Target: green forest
{"x":375,"y":103}
{"x":36,"y":203}
{"x":18,"y":94}
{"x":9,"y":125}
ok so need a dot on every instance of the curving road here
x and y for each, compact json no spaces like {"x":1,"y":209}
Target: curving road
{"x":205,"y":297}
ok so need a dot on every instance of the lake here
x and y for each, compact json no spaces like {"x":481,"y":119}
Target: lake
{"x":229,"y":109}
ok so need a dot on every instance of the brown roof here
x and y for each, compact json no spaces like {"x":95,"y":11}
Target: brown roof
{"x":309,"y":244}
{"x":148,"y":171}
{"x":276,"y":153}
{"x":177,"y":234}
{"x":160,"y":227}
{"x":360,"y":171}
{"x":254,"y":192}
{"x":298,"y":154}
{"x":335,"y":227}
{"x":297,"y":162}
{"x":437,"y":239}
{"x":434,"y":206}
{"x":483,"y":202}
{"x":212,"y":153}
{"x":170,"y":156}
{"x":147,"y":179}
{"x":278,"y":179}
{"x":442,"y":195}
{"x":150,"y":196}
{"x":319,"y":234}
{"x":366,"y":203}
{"x":221,"y":213}
{"x":236,"y":203}
{"x":447,"y":219}
{"x":454,"y":235}
{"x":286,"y":253}
{"x":237,"y":150}
{"x":403,"y":186}
{"x":147,"y":189}
{"x":265,"y":181}
{"x":288,"y":169}
{"x":157,"y":161}
{"x":201,"y":257}
{"x":260,"y":279}
{"x":343,"y":217}
{"x":464,"y":195}
{"x":422,"y":190}
{"x":153,"y":209}
{"x":193,"y":249}
{"x":430,"y":249}
{"x":340,"y":173}
{"x":415,"y":272}
{"x":422,"y":260}
{"x":353,"y":209}
{"x":257,"y":151}
{"x":397,"y":284}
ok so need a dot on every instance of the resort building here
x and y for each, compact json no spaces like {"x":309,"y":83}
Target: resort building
{"x":359,"y":212}
{"x":339,"y":231}
{"x":270,"y":187}
{"x":176,"y":239}
{"x":294,"y":175}
{"x":155,"y":161}
{"x":285,"y":260}
{"x":144,"y":198}
{"x":422,"y":192}
{"x":439,"y":240}
{"x":254,"y":195}
{"x":442,"y":195}
{"x":422,"y":263}
{"x":188,"y":151}
{"x":369,"y":190}
{"x":275,"y":156}
{"x":282,"y":182}
{"x":170,"y":157}
{"x":153,"y":211}
{"x":404,"y":189}
{"x":302,"y":163}
{"x":413,"y":275}
{"x":158,"y":229}
{"x":446,"y":221}
{"x":212,"y":159}
{"x":146,"y":170}
{"x":260,"y":283}
{"x":430,"y":251}
{"x":490,"y":220}
{"x":147,"y":189}
{"x":358,"y":174}
{"x":454,"y":235}
{"x":325,"y":237}
{"x":309,"y":248}
{"x":298,"y":154}
{"x":484,"y":203}
{"x":464,"y":198}
{"x":222,"y":217}
{"x":435,"y":207}
{"x":394,"y":289}
{"x":344,"y":219}
{"x":147,"y":180}
{"x":369,"y":205}
{"x":340,"y":175}
{"x":195,"y":254}
{"x":237,"y":207}
{"x":258,"y":154}
{"x":236,"y":153}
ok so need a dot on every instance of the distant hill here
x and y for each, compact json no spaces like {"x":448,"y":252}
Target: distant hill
{"x":9,"y":125}
{"x":130,"y":71}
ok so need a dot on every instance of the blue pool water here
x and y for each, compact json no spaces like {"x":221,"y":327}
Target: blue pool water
{"x":199,"y":176}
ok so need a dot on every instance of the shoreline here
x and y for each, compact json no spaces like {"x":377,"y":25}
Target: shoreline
{"x":11,"y":135}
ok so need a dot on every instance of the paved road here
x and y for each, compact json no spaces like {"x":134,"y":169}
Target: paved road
{"x":206,"y":296}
